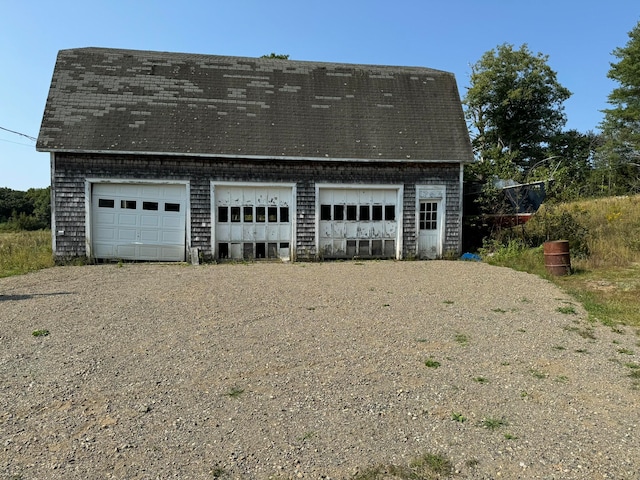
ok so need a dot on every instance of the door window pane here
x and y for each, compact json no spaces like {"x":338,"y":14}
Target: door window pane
{"x":223,"y":214}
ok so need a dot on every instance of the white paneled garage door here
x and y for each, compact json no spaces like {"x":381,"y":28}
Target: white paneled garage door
{"x":359,"y":222}
{"x":252,"y":222}
{"x":138,"y":222}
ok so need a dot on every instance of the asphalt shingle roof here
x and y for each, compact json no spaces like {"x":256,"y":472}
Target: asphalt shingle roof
{"x":106,"y":100}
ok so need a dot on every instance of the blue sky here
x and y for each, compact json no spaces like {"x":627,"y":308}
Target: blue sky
{"x":577,"y":35}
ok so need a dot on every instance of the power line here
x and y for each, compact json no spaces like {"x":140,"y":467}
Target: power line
{"x":33,"y":139}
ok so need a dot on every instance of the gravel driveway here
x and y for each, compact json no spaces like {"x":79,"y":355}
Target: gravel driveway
{"x":301,"y":370}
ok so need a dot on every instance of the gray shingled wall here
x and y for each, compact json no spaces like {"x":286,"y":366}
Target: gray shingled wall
{"x":72,"y":169}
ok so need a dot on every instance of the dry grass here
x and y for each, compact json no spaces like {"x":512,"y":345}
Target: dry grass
{"x":23,"y":252}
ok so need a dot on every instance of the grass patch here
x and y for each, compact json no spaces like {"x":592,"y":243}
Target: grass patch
{"x":458,"y":417}
{"x":431,"y":363}
{"x":493,"y":423}
{"x":23,"y":252}
{"x":462,"y":339}
{"x":567,"y":310}
{"x":425,"y":467}
{"x":40,"y":333}
{"x":235,"y":392}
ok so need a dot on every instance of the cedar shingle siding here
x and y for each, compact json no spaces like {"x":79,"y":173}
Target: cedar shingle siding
{"x":201,"y":119}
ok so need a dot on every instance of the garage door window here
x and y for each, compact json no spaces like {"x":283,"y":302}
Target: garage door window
{"x":106,"y":203}
{"x":171,"y":207}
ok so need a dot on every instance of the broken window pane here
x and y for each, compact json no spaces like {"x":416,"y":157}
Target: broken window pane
{"x":223,"y":250}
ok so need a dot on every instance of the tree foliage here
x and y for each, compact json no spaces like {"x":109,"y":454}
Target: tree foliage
{"x":514,"y":106}
{"x":30,"y":210}
{"x":280,"y":56}
{"x":619,"y":157}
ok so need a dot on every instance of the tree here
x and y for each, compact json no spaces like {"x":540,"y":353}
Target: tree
{"x":280,"y":56}
{"x":514,"y":106}
{"x":619,"y":157}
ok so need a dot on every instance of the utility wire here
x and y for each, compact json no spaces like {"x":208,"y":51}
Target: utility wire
{"x":33,"y":139}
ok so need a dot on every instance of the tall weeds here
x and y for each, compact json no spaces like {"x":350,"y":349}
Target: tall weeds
{"x":23,"y":252}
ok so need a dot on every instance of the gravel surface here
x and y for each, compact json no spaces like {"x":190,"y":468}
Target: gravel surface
{"x":301,"y":370}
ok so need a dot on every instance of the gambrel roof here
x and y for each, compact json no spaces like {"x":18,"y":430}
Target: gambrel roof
{"x":126,"y":101}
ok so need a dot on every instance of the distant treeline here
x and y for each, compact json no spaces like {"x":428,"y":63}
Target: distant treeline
{"x":30,"y":210}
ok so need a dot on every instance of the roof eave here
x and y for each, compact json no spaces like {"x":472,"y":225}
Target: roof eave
{"x":252,"y":157}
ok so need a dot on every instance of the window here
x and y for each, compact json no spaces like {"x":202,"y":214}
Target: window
{"x":325,"y":212}
{"x":171,"y":207}
{"x":128,"y":204}
{"x":376,"y":213}
{"x":223,"y":214}
{"x":248,"y":214}
{"x":272,"y":213}
{"x":106,"y":203}
{"x":150,"y":205}
{"x":223,"y":250}
{"x":428,"y":215}
{"x":365,"y":213}
{"x":261,"y":216}
{"x":352,"y":212}
{"x":284,"y":214}
{"x":235,"y":214}
{"x":338,"y":212}
{"x":390,"y":212}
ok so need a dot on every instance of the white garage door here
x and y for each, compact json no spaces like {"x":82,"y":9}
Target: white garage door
{"x":138,"y":222}
{"x":252,"y":222}
{"x":358,"y":222}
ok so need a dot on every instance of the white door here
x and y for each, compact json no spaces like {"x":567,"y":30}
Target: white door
{"x":252,"y":222}
{"x":138,"y":222}
{"x":358,"y":222}
{"x":430,"y":215}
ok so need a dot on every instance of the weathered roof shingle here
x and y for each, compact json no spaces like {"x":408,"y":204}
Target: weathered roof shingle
{"x":105,"y":100}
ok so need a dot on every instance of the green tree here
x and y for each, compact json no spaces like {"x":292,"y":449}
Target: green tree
{"x":515,"y":108}
{"x":279,"y":56}
{"x":618,"y":160}
{"x":570,"y":165}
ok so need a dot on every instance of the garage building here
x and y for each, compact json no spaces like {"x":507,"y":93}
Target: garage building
{"x":180,"y":157}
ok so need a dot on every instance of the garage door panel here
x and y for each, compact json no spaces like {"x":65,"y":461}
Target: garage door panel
{"x":149,"y":221}
{"x":150,"y":236}
{"x":106,"y":233}
{"x":126,"y":234}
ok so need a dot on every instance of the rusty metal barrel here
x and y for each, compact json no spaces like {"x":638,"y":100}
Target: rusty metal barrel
{"x":557,"y":259}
